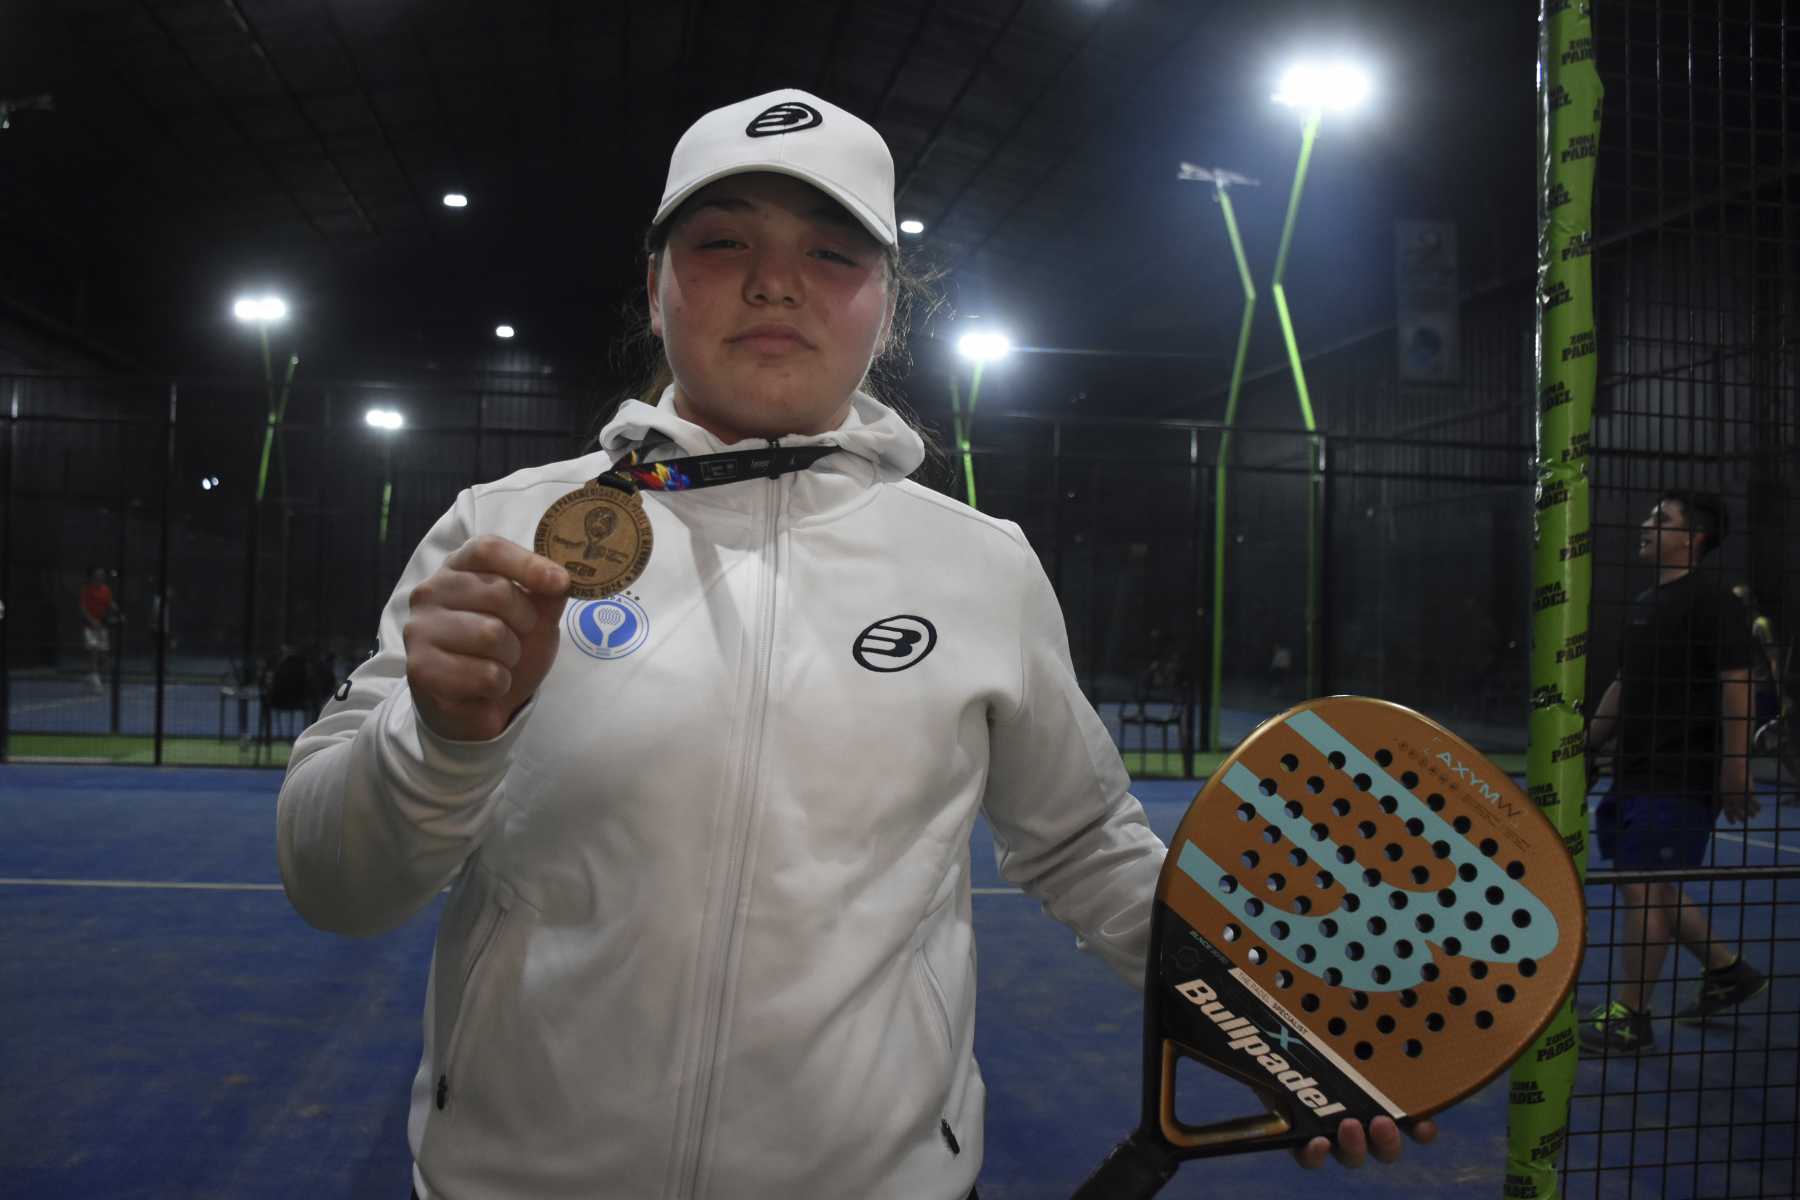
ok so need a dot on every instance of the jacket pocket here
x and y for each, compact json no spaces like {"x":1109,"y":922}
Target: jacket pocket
{"x":482,"y":940}
{"x":926,"y":980}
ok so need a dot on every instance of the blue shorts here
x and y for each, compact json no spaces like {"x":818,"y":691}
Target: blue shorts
{"x":1652,"y":831}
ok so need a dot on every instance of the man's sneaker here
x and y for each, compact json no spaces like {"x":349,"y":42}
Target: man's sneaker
{"x":1720,"y":990}
{"x":1616,"y":1028}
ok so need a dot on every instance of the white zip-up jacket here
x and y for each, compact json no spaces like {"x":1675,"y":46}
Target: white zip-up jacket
{"x":709,"y":933}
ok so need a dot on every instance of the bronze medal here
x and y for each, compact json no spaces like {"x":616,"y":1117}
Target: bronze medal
{"x":600,"y":535}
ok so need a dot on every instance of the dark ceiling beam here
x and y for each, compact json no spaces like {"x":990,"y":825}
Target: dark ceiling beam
{"x":262,"y":52}
{"x":458,"y":161}
{"x":827,"y":75}
{"x":505,"y":77}
{"x":756,"y":50}
{"x":1026,"y":112}
{"x":34,"y":206}
{"x":1036,"y":191}
{"x":906,"y":52}
{"x":108,"y":355}
{"x":690,"y":21}
{"x":230,"y":118}
{"x":931,"y":142}
{"x":103,"y":135}
{"x":562,"y":42}
{"x":25,"y":220}
{"x":622,"y":127}
{"x":368,"y":99}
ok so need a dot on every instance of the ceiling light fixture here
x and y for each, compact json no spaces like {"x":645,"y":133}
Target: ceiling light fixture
{"x":259,"y":308}
{"x":984,"y":347}
{"x":1332,"y":87}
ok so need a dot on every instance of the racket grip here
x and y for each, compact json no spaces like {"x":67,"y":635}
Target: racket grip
{"x":1136,"y":1169}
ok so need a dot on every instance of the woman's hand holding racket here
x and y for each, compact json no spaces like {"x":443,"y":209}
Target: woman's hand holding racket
{"x":1361,"y":918}
{"x":1351,"y":1146}
{"x":482,"y":634}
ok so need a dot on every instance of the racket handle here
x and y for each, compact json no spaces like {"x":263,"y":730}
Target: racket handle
{"x":1136,"y":1169}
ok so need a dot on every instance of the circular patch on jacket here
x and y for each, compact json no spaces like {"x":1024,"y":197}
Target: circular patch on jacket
{"x":894,"y":643}
{"x":609,"y":628}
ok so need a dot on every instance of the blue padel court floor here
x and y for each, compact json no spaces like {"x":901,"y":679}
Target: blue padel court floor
{"x":67,"y":703}
{"x":169,"y":1028}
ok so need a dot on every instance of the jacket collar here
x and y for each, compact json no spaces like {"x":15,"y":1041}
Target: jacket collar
{"x":871,"y":432}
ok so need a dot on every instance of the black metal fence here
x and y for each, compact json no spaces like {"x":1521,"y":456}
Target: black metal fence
{"x":150,"y":488}
{"x":153,"y":483}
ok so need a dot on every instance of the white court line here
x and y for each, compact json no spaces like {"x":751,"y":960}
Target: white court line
{"x":1750,"y":841}
{"x":142,"y":883}
{"x":46,"y":705}
{"x":995,"y":892}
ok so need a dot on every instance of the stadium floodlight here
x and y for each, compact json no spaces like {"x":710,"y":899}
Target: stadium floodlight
{"x":385,"y":419}
{"x":1323,"y":87}
{"x":981,"y":348}
{"x":455,"y":200}
{"x":259,"y":309}
{"x":912,"y":226}
{"x":504,"y":331}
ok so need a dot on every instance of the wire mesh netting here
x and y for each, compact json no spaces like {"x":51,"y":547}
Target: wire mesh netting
{"x":1699,"y":395}
{"x":149,"y":488}
{"x":160,"y":609}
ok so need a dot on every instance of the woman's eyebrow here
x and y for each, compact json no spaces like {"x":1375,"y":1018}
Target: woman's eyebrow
{"x":835,"y":214}
{"x":734,"y":204}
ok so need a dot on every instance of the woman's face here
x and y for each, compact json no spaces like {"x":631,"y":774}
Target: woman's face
{"x":770,"y":300}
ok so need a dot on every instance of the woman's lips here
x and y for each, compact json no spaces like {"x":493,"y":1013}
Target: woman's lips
{"x":771,"y":339}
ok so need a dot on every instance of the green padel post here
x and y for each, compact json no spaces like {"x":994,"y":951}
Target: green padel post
{"x":1219,"y":489}
{"x":1314,"y":482}
{"x":1562,"y":564}
{"x":964,"y":426}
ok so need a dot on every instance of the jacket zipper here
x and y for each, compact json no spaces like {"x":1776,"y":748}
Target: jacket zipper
{"x":746,"y":795}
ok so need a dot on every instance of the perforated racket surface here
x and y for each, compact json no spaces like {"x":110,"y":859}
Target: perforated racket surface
{"x":1359,"y":915}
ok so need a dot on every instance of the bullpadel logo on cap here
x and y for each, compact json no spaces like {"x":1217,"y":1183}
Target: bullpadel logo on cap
{"x":790,"y":117}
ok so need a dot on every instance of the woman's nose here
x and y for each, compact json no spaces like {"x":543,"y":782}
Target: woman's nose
{"x":774,"y":277}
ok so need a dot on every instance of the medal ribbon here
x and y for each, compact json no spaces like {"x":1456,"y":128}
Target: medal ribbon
{"x":710,"y":470}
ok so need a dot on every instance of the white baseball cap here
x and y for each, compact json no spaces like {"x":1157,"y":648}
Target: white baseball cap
{"x":789,"y":132}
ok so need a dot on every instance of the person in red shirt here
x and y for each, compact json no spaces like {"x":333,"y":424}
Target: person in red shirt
{"x":97,"y":611}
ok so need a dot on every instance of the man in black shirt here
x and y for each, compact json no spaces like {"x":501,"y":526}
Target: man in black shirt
{"x":1679,"y":711}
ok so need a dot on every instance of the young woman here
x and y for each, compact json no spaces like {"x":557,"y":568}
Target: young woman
{"x":709,"y":930}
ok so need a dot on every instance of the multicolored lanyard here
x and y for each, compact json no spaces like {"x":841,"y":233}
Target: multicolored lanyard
{"x":710,"y":470}
{"x":600,"y":533}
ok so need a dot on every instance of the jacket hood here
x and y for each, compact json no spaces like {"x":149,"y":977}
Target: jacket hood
{"x":871,"y":431}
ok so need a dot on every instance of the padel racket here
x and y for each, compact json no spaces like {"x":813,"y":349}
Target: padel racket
{"x":1359,"y":915}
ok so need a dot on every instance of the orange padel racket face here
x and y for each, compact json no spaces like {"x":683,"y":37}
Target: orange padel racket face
{"x":1359,"y":915}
